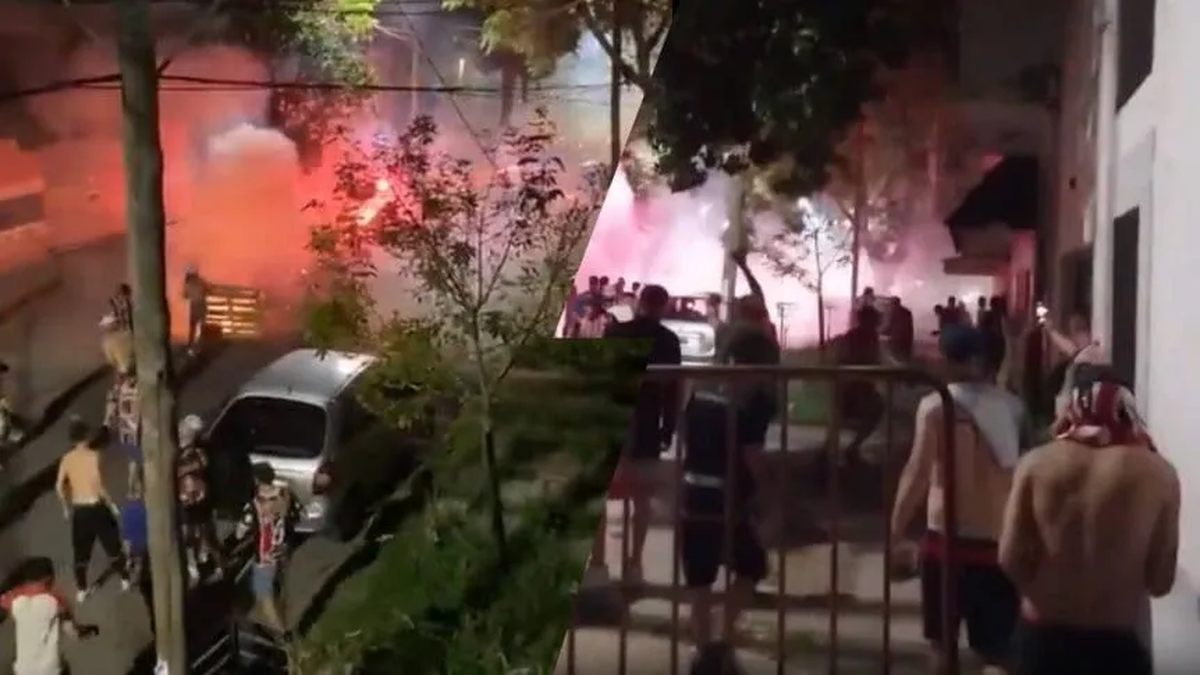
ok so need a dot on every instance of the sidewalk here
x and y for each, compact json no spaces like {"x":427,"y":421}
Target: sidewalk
{"x":805,"y":640}
{"x":51,"y":341}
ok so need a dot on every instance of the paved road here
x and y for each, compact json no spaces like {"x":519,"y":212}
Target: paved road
{"x":124,"y":628}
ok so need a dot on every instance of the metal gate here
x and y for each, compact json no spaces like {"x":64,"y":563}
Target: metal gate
{"x":583,"y":645}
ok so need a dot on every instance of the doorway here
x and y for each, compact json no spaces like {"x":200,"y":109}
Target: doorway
{"x":1126,"y":234}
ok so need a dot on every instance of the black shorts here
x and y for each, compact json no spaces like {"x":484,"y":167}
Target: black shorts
{"x":704,"y":540}
{"x":987,"y":600}
{"x":1060,"y":650}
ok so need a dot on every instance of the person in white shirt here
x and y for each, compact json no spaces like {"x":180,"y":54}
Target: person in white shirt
{"x":40,"y":615}
{"x":595,"y":323}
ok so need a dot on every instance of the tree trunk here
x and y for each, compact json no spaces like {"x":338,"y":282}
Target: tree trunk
{"x":821,"y":332}
{"x":508,"y":94}
{"x":859,"y":221}
{"x":147,"y":238}
{"x":735,"y":234}
{"x":495,"y":494}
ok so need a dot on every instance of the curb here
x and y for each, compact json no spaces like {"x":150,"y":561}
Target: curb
{"x":57,"y":406}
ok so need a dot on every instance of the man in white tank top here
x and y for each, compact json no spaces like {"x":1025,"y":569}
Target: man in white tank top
{"x":988,"y":435}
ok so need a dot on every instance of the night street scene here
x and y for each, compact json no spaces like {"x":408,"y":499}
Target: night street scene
{"x":597,"y":337}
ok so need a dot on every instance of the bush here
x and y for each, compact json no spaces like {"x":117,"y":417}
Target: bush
{"x":438,"y":598}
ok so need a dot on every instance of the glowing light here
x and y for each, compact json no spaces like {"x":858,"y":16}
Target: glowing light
{"x":371,"y":208}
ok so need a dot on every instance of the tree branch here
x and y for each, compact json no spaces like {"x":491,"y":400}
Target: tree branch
{"x":198,"y":29}
{"x":645,"y":83}
{"x":660,"y":30}
{"x":91,"y":35}
{"x":845,"y":209}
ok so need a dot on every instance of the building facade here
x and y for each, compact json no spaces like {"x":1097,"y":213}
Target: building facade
{"x":1123,"y":240}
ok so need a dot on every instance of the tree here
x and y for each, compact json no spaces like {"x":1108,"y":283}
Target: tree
{"x":881,"y":169}
{"x":813,"y":241}
{"x":765,"y":90}
{"x":147,"y":239}
{"x":767,"y":83}
{"x":541,"y":32}
{"x":491,"y":253}
{"x":320,"y":41}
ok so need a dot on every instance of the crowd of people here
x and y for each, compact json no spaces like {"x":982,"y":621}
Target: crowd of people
{"x":601,"y":303}
{"x":119,"y":526}
{"x":1052,"y":558}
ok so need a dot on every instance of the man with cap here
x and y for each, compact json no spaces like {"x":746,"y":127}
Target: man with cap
{"x":196,"y":517}
{"x":989,"y":433}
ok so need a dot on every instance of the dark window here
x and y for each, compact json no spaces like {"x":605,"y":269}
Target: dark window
{"x":272,"y":426}
{"x":22,"y":210}
{"x":1136,"y":51}
{"x":1126,"y":230}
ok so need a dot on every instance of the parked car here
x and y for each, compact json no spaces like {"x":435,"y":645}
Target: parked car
{"x":301,"y":414}
{"x":697,"y":337}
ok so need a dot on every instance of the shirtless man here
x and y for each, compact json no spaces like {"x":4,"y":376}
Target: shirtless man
{"x":1091,"y":528}
{"x":87,"y":505}
{"x":989,"y":426}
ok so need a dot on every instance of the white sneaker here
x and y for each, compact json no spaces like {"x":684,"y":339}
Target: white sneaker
{"x":126,"y":585}
{"x":80,"y":596}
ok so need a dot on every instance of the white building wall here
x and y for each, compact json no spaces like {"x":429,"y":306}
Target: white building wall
{"x":1158,"y":162}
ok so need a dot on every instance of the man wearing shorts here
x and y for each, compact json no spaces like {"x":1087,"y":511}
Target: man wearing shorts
{"x":710,"y":541}
{"x":656,"y":411}
{"x":989,"y":433}
{"x":270,"y":517}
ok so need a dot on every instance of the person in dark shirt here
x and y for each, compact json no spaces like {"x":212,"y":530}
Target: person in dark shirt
{"x":720,"y":478}
{"x":862,"y":406}
{"x":655,"y":415}
{"x":900,"y":331}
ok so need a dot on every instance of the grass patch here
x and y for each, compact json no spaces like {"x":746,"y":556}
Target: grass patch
{"x":438,"y":598}
{"x":809,"y":403}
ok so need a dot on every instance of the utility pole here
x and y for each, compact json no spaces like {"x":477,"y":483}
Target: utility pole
{"x":147,"y":239}
{"x":614,"y":112}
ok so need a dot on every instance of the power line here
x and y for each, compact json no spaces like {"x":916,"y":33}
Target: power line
{"x":201,"y":84}
{"x":437,"y":72}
